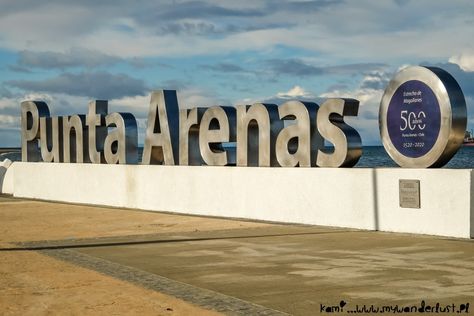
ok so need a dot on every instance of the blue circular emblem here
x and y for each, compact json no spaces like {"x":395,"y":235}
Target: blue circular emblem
{"x":413,"y":119}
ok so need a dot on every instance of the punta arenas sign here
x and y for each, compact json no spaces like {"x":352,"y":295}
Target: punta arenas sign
{"x":195,"y":137}
{"x":424,"y":131}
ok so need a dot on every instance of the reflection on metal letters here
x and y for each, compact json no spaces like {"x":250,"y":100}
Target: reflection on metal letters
{"x":293,"y":144}
{"x":73,"y":137}
{"x":249,"y":135}
{"x":217,"y":127}
{"x":257,"y":129}
{"x":31,"y":112}
{"x":121,"y":143}
{"x":51,"y":139}
{"x":346,"y":140}
{"x":162,"y":133}
{"x":95,"y":121}
{"x":189,"y":153}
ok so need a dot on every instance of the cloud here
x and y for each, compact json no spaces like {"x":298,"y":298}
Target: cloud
{"x":5,"y":93}
{"x":402,"y":2}
{"x":144,"y":28}
{"x":464,"y":60}
{"x":204,"y":28}
{"x":464,"y":78}
{"x":369,"y":93}
{"x":74,"y":57}
{"x":225,"y":67}
{"x":306,"y":7}
{"x":199,"y":10}
{"x":188,"y":97}
{"x":294,"y":67}
{"x":294,"y":93}
{"x":188,"y":28}
{"x":298,"y":67}
{"x":98,"y":85}
{"x":18,"y":68}
{"x":375,"y":80}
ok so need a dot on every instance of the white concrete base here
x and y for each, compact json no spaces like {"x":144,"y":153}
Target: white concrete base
{"x":6,"y":176}
{"x":355,"y":198}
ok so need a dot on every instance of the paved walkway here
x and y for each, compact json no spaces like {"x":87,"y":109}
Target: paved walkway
{"x":61,"y":258}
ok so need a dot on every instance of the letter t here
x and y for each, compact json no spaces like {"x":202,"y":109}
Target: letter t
{"x":95,"y":120}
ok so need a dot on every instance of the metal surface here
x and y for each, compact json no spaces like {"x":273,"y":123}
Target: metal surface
{"x":409,"y":193}
{"x":297,"y":144}
{"x":189,"y":153}
{"x":452,"y":109}
{"x":217,"y":127}
{"x":257,"y":130}
{"x":346,"y":140}
{"x":162,"y":133}
{"x":95,"y":121}
{"x":51,"y":139}
{"x":121,"y":142}
{"x":74,"y":133}
{"x":253,"y":135}
{"x":31,"y":112}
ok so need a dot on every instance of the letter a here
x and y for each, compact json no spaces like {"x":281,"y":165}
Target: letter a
{"x":162,"y":133}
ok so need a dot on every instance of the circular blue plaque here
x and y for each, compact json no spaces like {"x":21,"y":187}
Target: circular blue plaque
{"x":422,"y":117}
{"x":413,"y":119}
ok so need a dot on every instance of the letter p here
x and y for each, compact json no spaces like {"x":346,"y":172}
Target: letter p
{"x":31,"y":111}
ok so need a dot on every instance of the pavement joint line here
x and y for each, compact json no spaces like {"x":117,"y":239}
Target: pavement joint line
{"x":96,"y":242}
{"x":199,"y":296}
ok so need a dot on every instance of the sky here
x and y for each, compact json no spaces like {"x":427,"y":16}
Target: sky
{"x":68,"y":53}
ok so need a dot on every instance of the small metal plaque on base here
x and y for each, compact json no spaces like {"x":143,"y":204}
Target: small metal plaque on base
{"x":409,"y":193}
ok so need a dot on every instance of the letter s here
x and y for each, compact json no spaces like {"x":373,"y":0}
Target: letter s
{"x":346,"y":140}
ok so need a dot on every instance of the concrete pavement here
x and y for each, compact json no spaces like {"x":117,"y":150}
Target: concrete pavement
{"x":174,"y":264}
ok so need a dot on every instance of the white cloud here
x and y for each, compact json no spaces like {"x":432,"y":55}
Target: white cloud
{"x":464,"y":60}
{"x":187,"y":98}
{"x":384,"y":31}
{"x":294,"y":92}
{"x":197,"y":97}
{"x":369,"y":94}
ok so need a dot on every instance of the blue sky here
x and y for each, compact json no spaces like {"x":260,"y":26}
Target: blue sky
{"x":223,"y":53}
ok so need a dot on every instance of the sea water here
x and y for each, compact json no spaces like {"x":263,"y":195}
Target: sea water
{"x":377,"y":157}
{"x":372,"y":157}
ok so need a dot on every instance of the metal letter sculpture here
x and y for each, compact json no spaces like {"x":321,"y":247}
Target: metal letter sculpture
{"x":297,"y":144}
{"x":162,"y":133}
{"x":121,"y":144}
{"x":257,"y":129}
{"x":51,"y":139}
{"x":422,"y":117}
{"x":66,"y":139}
{"x":189,"y":153}
{"x":346,"y":140}
{"x":31,"y":112}
{"x":217,"y":127}
{"x":95,"y":121}
{"x":73,"y":137}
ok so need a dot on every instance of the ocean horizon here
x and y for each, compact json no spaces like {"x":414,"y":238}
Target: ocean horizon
{"x":372,"y":157}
